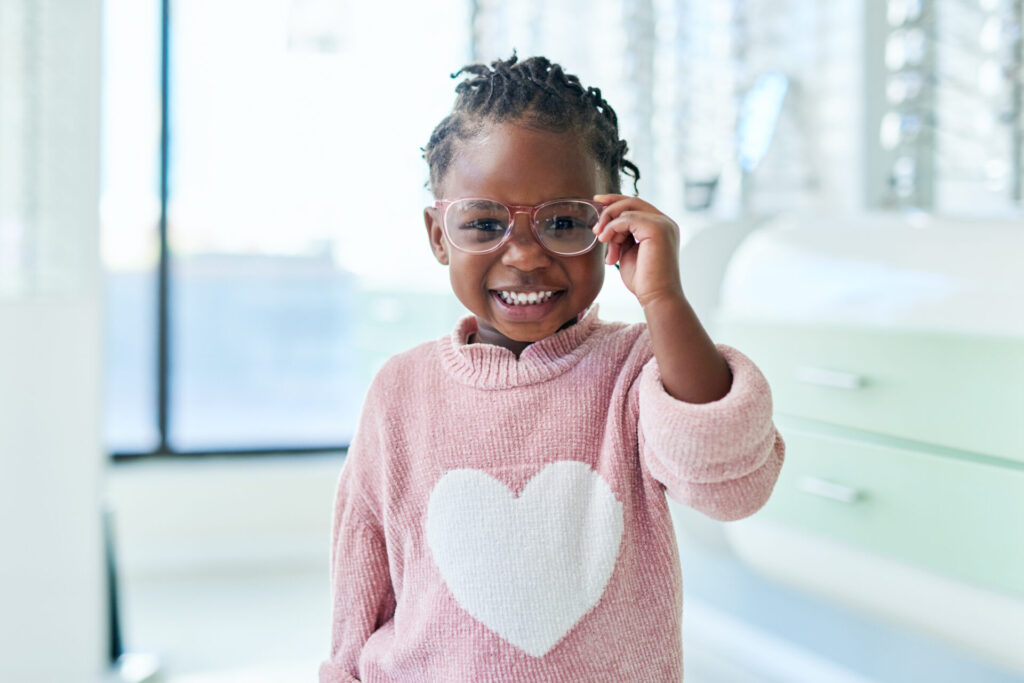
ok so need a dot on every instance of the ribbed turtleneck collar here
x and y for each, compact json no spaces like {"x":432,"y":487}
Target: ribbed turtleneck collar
{"x":488,"y":366}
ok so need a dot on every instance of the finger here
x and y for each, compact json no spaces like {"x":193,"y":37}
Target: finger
{"x":636,"y":225}
{"x":609,"y":197}
{"x":621,"y":211}
{"x":608,"y":230}
{"x":626,"y":248}
{"x":612,"y":256}
{"x":611,"y":211}
{"x":616,"y":204}
{"x":614,"y":236}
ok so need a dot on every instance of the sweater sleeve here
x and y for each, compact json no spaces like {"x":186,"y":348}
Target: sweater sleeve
{"x":721,"y":458}
{"x":362,"y":597}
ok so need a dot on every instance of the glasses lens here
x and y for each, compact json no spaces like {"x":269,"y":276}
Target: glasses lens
{"x":567,"y":227}
{"x":476,"y":224}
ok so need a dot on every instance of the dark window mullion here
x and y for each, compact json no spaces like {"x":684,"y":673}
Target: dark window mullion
{"x":163,"y":276}
{"x":232,"y":453}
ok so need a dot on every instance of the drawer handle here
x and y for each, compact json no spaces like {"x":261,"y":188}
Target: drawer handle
{"x":829,"y":489}
{"x":829,"y":378}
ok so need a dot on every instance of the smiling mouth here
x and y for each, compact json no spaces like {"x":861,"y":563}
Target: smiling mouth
{"x":526,"y":298}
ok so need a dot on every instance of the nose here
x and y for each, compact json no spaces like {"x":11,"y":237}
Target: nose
{"x":523,"y":251}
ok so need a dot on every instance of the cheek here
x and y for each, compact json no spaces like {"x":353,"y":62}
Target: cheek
{"x":599,"y":271}
{"x":466,"y":275}
{"x":591,"y":268}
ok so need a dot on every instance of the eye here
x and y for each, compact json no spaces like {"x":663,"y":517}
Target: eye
{"x":483,"y":225}
{"x":567,"y":219}
{"x":564,"y":223}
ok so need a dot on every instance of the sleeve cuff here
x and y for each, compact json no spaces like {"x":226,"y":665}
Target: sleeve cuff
{"x":709,"y":442}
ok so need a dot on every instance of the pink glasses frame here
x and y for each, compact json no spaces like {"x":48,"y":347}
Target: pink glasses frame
{"x":513,"y":209}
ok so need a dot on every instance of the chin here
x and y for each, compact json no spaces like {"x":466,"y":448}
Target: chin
{"x":520,"y":335}
{"x":534,"y":334}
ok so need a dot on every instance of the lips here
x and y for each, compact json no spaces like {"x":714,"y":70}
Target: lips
{"x":520,"y":298}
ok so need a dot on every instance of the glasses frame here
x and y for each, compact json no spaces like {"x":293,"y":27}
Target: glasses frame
{"x":531,"y":211}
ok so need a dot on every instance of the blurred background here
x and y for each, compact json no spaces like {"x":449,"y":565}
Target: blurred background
{"x":211,"y":239}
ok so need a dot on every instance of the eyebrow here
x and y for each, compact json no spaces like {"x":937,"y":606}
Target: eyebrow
{"x":481,"y":203}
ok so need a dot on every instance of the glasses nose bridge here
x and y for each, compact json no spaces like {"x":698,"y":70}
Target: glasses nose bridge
{"x":522,"y":244}
{"x":515,"y":210}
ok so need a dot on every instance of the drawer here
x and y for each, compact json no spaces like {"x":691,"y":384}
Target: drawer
{"x":959,"y":391}
{"x":960,"y":518}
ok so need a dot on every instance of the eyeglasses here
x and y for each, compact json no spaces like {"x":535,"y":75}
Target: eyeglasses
{"x":564,"y":227}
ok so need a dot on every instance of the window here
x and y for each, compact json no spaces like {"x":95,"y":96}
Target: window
{"x":296,"y":257}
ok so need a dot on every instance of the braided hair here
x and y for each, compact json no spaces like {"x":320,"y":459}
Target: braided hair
{"x":539,"y":94}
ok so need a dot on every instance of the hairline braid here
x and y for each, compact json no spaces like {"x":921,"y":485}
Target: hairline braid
{"x":538,"y":94}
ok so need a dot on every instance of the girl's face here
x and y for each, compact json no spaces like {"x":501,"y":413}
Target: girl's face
{"x":518,"y":165}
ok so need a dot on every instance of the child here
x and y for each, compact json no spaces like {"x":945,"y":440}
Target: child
{"x":502,"y":514}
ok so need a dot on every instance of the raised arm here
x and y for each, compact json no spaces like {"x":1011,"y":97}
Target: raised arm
{"x":705,"y":411}
{"x":644,"y":244}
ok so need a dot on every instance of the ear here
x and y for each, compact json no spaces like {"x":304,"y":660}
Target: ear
{"x":435,"y":233}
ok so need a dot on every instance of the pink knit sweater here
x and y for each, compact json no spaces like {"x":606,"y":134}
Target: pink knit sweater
{"x":505,"y":520}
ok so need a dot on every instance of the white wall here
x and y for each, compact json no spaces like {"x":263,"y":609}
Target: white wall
{"x":53,"y":621}
{"x":216,"y":515}
{"x":52,"y":625}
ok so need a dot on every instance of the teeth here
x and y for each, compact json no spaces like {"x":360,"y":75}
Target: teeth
{"x":524,"y":298}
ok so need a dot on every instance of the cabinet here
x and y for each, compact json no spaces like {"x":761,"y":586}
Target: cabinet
{"x":895,"y":352}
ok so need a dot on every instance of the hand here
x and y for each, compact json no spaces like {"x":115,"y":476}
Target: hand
{"x":644,"y":243}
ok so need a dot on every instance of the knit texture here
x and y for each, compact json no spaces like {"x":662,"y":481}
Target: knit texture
{"x":504,"y":519}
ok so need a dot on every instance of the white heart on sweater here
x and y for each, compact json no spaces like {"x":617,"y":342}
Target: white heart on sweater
{"x":528,"y":568}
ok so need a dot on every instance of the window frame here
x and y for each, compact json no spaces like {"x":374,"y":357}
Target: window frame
{"x":164,"y":290}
